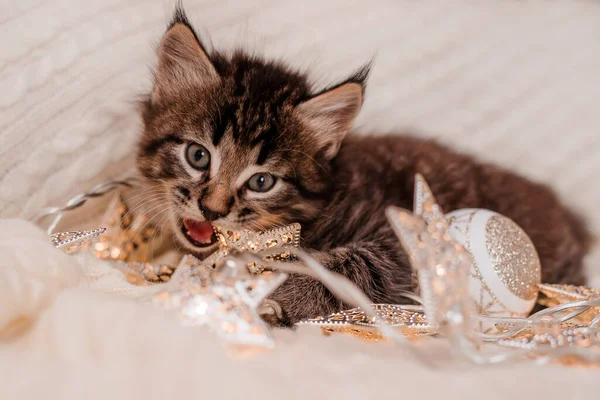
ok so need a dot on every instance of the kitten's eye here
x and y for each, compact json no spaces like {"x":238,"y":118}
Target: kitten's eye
{"x":197,"y":156}
{"x":261,"y":182}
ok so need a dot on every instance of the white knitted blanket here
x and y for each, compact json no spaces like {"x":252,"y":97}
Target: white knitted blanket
{"x":514,"y":82}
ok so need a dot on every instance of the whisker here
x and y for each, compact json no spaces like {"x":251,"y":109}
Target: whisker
{"x":134,"y":203}
{"x":146,"y":192}
{"x":151,"y":189}
{"x":141,"y":203}
{"x":155,"y":233}
{"x":140,"y":229}
{"x":132,"y":207}
{"x":307,"y":155}
{"x":293,"y":168}
{"x":160,"y":230}
{"x":151,"y":210}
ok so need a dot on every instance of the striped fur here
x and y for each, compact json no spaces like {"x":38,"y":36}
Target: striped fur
{"x":255,"y":115}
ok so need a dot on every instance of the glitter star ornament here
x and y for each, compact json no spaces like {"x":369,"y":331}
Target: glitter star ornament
{"x":355,"y":322}
{"x":441,"y":264}
{"x":246,"y":240}
{"x":506,"y":268}
{"x":226,"y":300}
{"x":72,"y":241}
{"x":555,"y":295}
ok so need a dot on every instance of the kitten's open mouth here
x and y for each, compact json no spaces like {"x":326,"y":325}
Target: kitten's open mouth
{"x":199,"y":233}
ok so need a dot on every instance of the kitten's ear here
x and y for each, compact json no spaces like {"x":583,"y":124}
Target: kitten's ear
{"x":182,"y":60}
{"x":331,"y":114}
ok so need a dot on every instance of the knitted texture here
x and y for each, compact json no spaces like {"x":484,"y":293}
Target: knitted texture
{"x":514,"y":82}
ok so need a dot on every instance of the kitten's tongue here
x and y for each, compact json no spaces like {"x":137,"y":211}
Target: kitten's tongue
{"x":200,"y":231}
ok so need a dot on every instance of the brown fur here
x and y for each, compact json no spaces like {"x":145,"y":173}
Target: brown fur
{"x":261,"y":115}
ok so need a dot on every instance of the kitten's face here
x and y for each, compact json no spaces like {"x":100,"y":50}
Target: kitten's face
{"x":237,"y":143}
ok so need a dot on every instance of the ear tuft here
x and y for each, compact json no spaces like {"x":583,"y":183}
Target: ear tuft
{"x":179,"y":16}
{"x":182,"y":59}
{"x":361,"y":75}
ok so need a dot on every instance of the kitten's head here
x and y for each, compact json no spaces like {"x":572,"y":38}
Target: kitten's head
{"x":236,"y":141}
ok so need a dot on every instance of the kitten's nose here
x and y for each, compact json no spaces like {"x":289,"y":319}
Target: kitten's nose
{"x":210,"y":215}
{"x":215,"y":201}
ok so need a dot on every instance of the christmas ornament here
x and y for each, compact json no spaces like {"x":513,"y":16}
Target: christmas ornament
{"x":441,"y":264}
{"x":226,"y":300}
{"x":442,"y":278}
{"x":282,"y":238}
{"x":72,"y":241}
{"x":246,"y":240}
{"x":142,"y":273}
{"x":564,"y":294}
{"x":556,"y":336}
{"x":408,"y":320}
{"x":506,"y":269}
{"x":191,"y":271}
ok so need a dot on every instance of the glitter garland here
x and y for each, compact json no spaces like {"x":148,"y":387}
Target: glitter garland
{"x":409,"y":320}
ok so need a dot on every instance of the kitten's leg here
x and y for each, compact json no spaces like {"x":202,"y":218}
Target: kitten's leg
{"x":380,"y":269}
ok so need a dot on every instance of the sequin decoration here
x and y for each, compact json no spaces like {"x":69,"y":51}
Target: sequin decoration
{"x":562,"y":294}
{"x":72,"y":241}
{"x":129,"y":237}
{"x":246,"y":240}
{"x":553,"y":337}
{"x":355,"y":322}
{"x":140,"y":273}
{"x":513,"y":256}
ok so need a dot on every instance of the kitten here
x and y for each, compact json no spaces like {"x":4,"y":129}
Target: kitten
{"x":244,"y":143}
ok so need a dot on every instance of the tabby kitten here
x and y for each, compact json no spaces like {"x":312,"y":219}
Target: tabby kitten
{"x":241,"y":142}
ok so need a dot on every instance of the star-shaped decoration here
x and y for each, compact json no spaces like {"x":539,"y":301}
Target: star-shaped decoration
{"x":441,"y":264}
{"x":563,"y":294}
{"x":427,"y":220}
{"x":226,"y":300}
{"x":426,"y":207}
{"x":355,"y":322}
{"x":72,"y":241}
{"x":254,"y":242}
